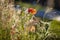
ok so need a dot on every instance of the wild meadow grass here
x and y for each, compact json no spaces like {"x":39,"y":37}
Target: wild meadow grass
{"x":20,"y":25}
{"x":14,"y":25}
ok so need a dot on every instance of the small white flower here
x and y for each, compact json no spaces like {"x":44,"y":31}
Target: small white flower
{"x":19,"y":11}
{"x":26,"y":11}
{"x":31,"y":20}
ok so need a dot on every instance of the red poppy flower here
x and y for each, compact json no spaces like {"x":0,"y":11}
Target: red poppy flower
{"x":31,"y":10}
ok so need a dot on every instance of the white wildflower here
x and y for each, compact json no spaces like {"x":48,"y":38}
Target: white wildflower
{"x":26,"y":11}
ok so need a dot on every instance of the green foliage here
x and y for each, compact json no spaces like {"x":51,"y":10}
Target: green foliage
{"x":54,"y":30}
{"x":4,"y":32}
